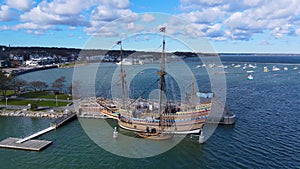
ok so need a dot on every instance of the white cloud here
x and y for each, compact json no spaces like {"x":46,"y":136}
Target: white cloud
{"x":72,"y":28}
{"x":197,"y":4}
{"x":6,"y":14}
{"x":253,"y":3}
{"x":269,"y":16}
{"x":116,"y":3}
{"x":216,"y":19}
{"x":41,"y":16}
{"x":195,"y":30}
{"x":214,"y":31}
{"x":52,"y":13}
{"x":97,"y":28}
{"x":132,"y":27}
{"x":22,"y":5}
{"x":208,"y":15}
{"x":297,"y":32}
{"x":65,"y":7}
{"x":30,"y":28}
{"x":279,"y":32}
{"x":108,"y":11}
{"x":240,"y":20}
{"x":148,"y":18}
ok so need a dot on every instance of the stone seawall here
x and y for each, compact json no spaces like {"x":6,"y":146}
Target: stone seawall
{"x":37,"y":114}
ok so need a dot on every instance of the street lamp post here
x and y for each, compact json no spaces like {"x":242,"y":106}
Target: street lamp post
{"x":56,"y":100}
{"x":6,"y":101}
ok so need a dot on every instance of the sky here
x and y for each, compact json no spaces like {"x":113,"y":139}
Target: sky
{"x":250,"y":26}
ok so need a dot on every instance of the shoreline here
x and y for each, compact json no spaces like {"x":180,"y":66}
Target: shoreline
{"x":34,"y":114}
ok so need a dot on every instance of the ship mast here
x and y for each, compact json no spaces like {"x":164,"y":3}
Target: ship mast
{"x":162,"y":73}
{"x":193,"y":93}
{"x":122,"y":75}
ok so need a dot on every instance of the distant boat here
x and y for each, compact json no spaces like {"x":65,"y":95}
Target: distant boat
{"x":266,"y":69}
{"x":295,"y":68}
{"x":250,"y":77}
{"x":274,"y":68}
{"x":285,"y":68}
{"x":237,"y":66}
{"x":130,"y":61}
{"x":211,"y":65}
{"x":245,"y":66}
{"x":222,"y":66}
{"x":250,"y":71}
{"x":125,"y":62}
{"x":198,"y":66}
{"x":252,"y":66}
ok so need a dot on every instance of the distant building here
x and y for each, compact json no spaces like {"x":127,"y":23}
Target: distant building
{"x":4,"y":63}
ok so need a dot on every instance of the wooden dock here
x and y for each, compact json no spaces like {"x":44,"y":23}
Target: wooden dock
{"x":33,"y":145}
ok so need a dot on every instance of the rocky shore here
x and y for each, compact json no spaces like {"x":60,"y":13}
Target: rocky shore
{"x":36,"y":114}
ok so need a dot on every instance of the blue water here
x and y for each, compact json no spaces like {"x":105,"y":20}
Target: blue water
{"x":266,"y":135}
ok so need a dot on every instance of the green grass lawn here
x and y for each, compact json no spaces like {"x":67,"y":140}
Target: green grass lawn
{"x":45,"y":95}
{"x":38,"y":103}
{"x":8,"y":92}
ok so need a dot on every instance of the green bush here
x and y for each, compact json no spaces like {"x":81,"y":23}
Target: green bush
{"x":33,"y":106}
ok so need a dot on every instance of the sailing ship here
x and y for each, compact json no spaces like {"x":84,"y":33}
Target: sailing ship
{"x":156,"y":119}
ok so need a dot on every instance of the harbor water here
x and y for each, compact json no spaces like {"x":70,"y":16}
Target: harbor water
{"x":266,"y":134}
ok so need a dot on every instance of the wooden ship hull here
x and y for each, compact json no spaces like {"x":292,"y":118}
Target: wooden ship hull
{"x":179,"y":122}
{"x":154,"y":136}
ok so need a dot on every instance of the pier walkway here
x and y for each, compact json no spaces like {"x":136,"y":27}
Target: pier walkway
{"x":60,"y":121}
{"x":36,"y":134}
{"x":36,"y":145}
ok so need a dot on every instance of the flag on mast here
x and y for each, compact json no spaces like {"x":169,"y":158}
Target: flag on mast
{"x":119,"y":42}
{"x":162,"y":29}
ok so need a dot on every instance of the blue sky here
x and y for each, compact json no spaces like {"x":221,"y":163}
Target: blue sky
{"x":268,"y":26}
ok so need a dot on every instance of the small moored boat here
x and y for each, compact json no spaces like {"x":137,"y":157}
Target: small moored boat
{"x":274,"y":68}
{"x":250,"y":77}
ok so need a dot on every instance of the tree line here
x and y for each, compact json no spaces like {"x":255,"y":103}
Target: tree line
{"x":17,"y":84}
